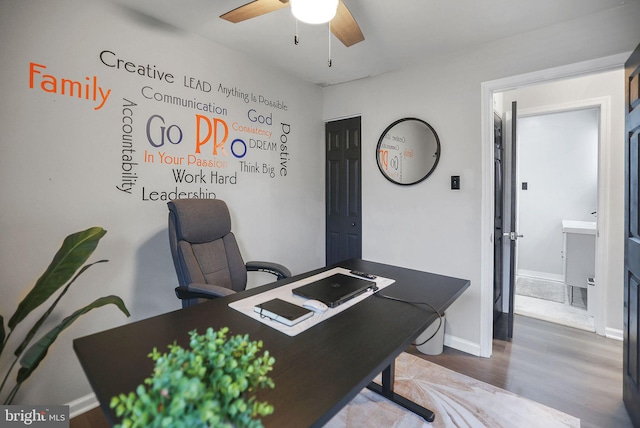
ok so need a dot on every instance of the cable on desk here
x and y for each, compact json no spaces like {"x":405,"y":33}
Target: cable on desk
{"x":384,"y":296}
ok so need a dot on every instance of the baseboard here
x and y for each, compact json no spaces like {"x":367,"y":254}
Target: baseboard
{"x":613,"y":333}
{"x":541,"y":275}
{"x":82,"y":405}
{"x":462,"y":345}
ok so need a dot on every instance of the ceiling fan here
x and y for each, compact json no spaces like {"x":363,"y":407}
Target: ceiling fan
{"x":343,"y":25}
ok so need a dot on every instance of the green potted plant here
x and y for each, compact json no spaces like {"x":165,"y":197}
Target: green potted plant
{"x":65,"y":268}
{"x":211,"y":384}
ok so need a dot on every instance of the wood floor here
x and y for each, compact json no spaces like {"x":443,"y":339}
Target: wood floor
{"x":571,"y":370}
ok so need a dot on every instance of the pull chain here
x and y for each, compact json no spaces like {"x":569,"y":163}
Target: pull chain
{"x":296,"y":40}
{"x":330,"y":44}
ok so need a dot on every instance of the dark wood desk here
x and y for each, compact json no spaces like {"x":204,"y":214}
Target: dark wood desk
{"x":316,"y":372}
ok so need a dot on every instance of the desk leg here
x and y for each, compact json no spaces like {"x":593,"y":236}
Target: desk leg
{"x":386,"y":390}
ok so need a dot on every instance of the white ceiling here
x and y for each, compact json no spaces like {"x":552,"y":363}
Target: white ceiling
{"x":397,"y":33}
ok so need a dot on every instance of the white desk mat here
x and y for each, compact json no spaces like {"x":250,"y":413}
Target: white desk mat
{"x":284,"y":292}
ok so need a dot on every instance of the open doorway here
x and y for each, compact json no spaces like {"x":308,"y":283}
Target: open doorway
{"x":552,"y":87}
{"x":550,"y":105}
{"x":557,"y":187}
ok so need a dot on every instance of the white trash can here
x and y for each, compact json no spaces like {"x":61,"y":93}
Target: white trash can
{"x":436,"y":344}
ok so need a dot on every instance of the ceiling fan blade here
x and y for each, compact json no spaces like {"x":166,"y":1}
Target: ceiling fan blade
{"x":253,"y":9}
{"x":345,"y":27}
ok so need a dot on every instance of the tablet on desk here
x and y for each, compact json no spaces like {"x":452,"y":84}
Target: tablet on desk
{"x":283,"y":311}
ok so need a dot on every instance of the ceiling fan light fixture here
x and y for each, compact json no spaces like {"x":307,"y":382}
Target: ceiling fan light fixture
{"x":314,"y":11}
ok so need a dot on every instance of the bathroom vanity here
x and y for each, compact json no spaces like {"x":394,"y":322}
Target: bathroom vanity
{"x":579,"y":238}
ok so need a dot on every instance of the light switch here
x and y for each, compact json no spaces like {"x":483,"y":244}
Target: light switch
{"x":455,"y":182}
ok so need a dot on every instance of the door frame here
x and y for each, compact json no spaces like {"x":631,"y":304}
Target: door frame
{"x":487,"y":91}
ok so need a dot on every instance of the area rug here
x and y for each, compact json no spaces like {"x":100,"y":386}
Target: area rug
{"x":456,"y":399}
{"x":541,"y":289}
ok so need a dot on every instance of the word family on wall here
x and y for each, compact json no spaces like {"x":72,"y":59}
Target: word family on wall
{"x":179,"y":136}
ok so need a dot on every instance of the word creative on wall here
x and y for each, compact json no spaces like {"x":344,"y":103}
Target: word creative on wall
{"x":197,"y":135}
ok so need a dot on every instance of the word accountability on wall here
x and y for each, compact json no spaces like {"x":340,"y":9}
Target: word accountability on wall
{"x":89,"y":90}
{"x":128,"y":174}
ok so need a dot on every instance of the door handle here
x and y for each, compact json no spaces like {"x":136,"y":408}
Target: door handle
{"x":512,"y":235}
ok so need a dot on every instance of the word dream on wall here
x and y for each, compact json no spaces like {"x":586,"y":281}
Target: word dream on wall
{"x":230,"y":134}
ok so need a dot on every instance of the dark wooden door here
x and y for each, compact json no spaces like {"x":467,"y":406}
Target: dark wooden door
{"x":631,"y":347}
{"x":498,"y":223}
{"x":512,"y":234}
{"x":343,"y":190}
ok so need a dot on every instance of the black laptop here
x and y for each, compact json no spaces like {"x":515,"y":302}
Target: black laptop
{"x":335,"y":289}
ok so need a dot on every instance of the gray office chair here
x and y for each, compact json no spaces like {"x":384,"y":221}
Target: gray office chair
{"x":205,"y":252}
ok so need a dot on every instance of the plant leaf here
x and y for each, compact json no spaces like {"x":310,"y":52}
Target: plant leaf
{"x":75,"y":250}
{"x":36,"y":353}
{"x":43,"y":318}
{"x":3,"y":335}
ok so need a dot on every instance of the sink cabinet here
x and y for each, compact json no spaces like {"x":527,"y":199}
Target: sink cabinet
{"x":579,"y":255}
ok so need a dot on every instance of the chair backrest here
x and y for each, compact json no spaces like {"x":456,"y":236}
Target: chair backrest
{"x":203,"y":248}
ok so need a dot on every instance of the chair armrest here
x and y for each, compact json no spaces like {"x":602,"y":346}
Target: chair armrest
{"x":273,"y":268}
{"x":202,"y":291}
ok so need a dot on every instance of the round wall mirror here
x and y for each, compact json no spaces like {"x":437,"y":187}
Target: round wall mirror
{"x":408,"y":151}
